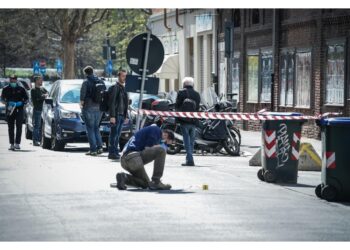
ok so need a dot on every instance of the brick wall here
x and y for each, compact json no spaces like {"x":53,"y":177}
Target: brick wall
{"x":297,"y":28}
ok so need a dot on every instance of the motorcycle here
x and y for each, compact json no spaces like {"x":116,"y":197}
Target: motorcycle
{"x":212,"y":136}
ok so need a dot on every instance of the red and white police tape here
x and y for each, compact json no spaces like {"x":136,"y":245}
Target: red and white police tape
{"x":230,"y":116}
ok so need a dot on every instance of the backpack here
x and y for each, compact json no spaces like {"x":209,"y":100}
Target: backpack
{"x":97,"y":91}
{"x":188,"y":104}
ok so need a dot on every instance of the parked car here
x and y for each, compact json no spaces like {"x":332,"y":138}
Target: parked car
{"x":62,"y":120}
{"x":2,"y":106}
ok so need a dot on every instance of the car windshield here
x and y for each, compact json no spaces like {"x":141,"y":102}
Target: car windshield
{"x":47,"y":85}
{"x":134,"y":97}
{"x":3,"y":84}
{"x":70,"y":93}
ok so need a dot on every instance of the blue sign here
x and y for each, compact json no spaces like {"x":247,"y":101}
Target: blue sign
{"x":36,"y":67}
{"x":43,"y":71}
{"x":109,"y":66}
{"x":59,"y":66}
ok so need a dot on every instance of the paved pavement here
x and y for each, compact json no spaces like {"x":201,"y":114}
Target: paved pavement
{"x":65,"y":196}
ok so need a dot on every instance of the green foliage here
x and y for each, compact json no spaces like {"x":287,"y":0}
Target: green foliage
{"x":26,"y":38}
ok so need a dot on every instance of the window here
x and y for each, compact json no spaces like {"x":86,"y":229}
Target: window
{"x":303,"y":79}
{"x":255,"y":16}
{"x":335,"y":75}
{"x":266,"y":71}
{"x":235,"y":76}
{"x":287,"y":79}
{"x":253,"y":78}
{"x":236,"y":18}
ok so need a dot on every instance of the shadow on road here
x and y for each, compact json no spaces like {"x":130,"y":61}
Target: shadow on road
{"x":296,"y":185}
{"x":172,"y":191}
{"x":139,"y":190}
{"x":23,"y":151}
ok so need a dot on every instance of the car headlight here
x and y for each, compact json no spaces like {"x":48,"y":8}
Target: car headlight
{"x":67,"y":114}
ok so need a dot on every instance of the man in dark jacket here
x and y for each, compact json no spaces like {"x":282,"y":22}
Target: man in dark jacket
{"x":91,"y":112}
{"x":38,"y":95}
{"x":14,"y":97}
{"x":188,"y":100}
{"x":118,"y":110}
{"x":147,"y":145}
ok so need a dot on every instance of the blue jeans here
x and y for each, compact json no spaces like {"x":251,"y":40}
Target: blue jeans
{"x":36,"y":125}
{"x":189,"y":135}
{"x":116,"y":130}
{"x":92,"y":120}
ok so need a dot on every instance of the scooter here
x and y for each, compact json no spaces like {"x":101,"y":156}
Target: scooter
{"x":212,"y":136}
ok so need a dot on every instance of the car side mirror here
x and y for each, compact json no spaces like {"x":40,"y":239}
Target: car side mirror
{"x":130,"y":101}
{"x":49,"y":101}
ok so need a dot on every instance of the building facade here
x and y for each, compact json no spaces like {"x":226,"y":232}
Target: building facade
{"x":288,"y":60}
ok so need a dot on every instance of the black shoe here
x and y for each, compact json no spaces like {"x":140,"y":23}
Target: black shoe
{"x":100,"y":151}
{"x":188,"y":164}
{"x":36,"y":144}
{"x":159,"y":186}
{"x":113,"y":157}
{"x":12,"y":147}
{"x":121,"y":179}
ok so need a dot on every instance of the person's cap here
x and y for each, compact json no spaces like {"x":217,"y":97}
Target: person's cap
{"x":89,"y":70}
{"x":13,"y":76}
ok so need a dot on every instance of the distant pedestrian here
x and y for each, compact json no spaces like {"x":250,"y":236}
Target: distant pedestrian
{"x":38,"y":95}
{"x":91,"y":111}
{"x":14,"y":97}
{"x":118,"y":110}
{"x":188,"y":100}
{"x":147,"y":145}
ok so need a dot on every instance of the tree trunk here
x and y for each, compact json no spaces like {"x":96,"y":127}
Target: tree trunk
{"x":68,"y":58}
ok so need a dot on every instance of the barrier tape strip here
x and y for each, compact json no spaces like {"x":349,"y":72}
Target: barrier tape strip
{"x":260,"y":116}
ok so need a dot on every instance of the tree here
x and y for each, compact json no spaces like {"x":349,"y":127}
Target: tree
{"x":69,"y":25}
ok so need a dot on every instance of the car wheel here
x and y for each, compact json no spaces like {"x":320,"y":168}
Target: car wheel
{"x":56,"y":145}
{"x":329,"y":193}
{"x":29,"y":134}
{"x":269,"y":176}
{"x":318,"y":191}
{"x":122,"y":143}
{"x":45,"y":142}
{"x":261,"y":174}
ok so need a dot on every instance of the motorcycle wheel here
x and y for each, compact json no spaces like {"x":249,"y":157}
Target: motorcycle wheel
{"x":231,"y":147}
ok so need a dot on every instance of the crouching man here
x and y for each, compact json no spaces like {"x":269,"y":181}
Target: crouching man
{"x":147,"y":145}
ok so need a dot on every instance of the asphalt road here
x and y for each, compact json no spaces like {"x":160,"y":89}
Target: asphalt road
{"x":65,"y":196}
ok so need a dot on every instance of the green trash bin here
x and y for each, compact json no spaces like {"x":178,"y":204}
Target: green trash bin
{"x":335,"y":176}
{"x":280,"y":148}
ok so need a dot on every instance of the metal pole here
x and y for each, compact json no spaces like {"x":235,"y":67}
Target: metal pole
{"x":144,"y":73}
{"x":108,"y":54}
{"x":273,"y":59}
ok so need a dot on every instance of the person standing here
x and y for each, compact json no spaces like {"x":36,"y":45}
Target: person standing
{"x":38,"y":95}
{"x":188,"y":100}
{"x":14,"y":97}
{"x":118,"y":110}
{"x":91,"y":111}
{"x":147,"y":145}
